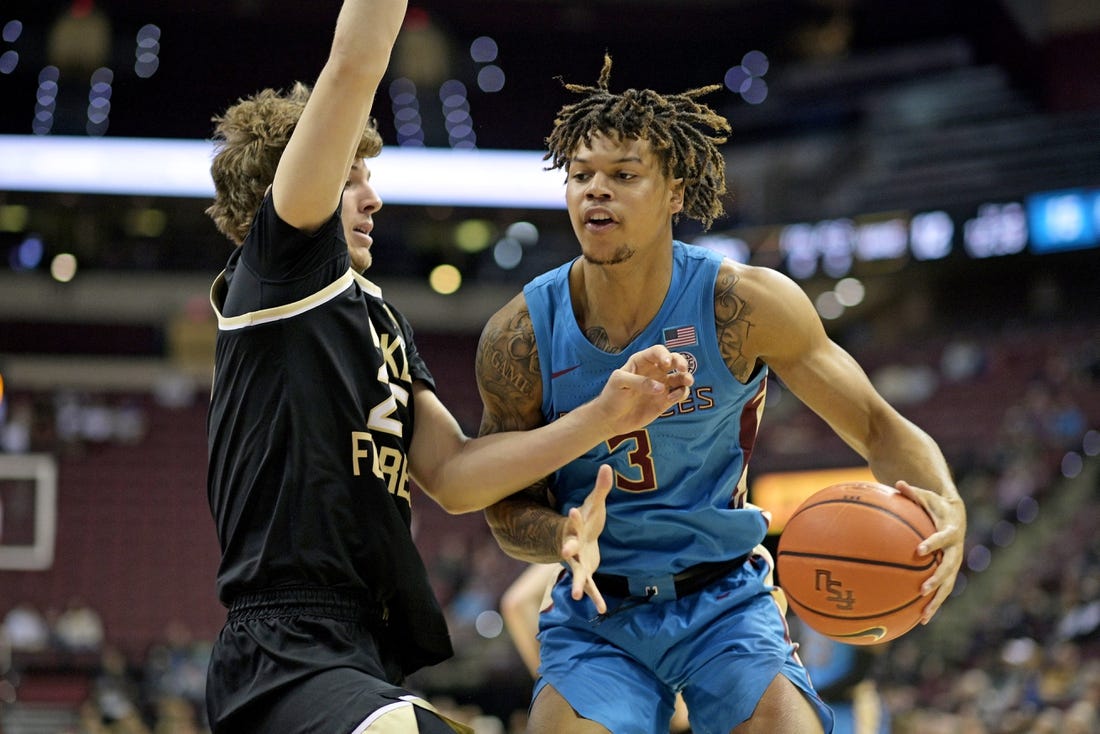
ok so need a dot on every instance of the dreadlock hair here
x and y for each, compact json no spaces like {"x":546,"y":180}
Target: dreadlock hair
{"x":249,"y":140}
{"x":675,"y":126}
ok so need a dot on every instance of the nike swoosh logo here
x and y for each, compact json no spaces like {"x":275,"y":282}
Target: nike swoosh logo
{"x":566,"y":371}
{"x":876,"y":633}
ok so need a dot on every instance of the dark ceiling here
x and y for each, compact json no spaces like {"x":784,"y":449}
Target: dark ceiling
{"x":214,"y":51}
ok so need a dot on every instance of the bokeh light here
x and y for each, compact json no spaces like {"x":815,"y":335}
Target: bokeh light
{"x":473,"y":235}
{"x":63,"y":267}
{"x":829,"y":306}
{"x":445,"y":279}
{"x":483,"y":49}
{"x":489,"y":624}
{"x":507,"y":253}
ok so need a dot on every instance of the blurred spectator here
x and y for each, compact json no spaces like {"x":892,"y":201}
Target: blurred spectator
{"x":450,"y":567}
{"x":16,"y":425}
{"x":1018,"y":480}
{"x":1066,"y":421}
{"x":26,"y":629}
{"x":176,"y":716}
{"x":191,"y":335}
{"x":79,"y":628}
{"x":175,"y":667}
{"x":94,"y":720}
{"x":1081,"y":718}
{"x":115,"y":688}
{"x":905,"y":384}
{"x":1059,"y":675}
{"x":1081,"y":618}
{"x":129,"y":421}
{"x":962,"y":360}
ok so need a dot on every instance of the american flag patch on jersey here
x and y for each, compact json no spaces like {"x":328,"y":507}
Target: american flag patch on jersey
{"x":680,"y":336}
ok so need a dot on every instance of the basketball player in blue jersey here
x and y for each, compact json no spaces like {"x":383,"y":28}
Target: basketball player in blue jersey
{"x":321,"y":411}
{"x":680,"y":601}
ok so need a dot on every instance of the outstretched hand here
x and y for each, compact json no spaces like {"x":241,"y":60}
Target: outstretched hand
{"x":950,"y":518}
{"x":580,"y":539}
{"x":651,"y":381}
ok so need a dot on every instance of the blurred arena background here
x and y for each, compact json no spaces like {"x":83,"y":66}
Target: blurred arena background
{"x":929,"y":172}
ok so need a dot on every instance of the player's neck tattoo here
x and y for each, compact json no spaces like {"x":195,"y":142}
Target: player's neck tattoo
{"x":600,"y":338}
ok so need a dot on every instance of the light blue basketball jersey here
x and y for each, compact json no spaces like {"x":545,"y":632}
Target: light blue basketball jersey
{"x":679,"y":483}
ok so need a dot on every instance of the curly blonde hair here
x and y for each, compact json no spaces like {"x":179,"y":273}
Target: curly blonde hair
{"x":675,"y":126}
{"x":249,"y":140}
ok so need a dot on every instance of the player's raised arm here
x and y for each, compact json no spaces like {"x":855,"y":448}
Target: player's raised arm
{"x":312,"y":170}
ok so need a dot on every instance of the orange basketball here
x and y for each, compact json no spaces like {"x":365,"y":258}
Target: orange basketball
{"x":847,"y":561}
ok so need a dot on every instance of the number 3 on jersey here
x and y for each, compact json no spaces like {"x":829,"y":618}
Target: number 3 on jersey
{"x":640,"y":458}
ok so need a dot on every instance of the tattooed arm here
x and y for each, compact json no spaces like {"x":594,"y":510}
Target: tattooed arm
{"x":464,"y":474}
{"x":731,"y":316}
{"x":764,"y":316}
{"x":510,"y":382}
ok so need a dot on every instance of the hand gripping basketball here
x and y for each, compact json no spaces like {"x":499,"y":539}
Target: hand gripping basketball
{"x":848,"y":562}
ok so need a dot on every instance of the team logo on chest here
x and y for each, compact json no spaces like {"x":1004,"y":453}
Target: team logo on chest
{"x":693,"y":363}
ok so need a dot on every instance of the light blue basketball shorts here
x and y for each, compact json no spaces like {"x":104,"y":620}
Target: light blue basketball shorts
{"x":721,"y":647}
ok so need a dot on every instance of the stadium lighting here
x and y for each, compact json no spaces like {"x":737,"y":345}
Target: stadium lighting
{"x":181,"y":168}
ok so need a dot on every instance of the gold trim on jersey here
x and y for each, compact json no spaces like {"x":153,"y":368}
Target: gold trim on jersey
{"x":367,"y":285}
{"x":399,"y":718}
{"x":286,"y":311}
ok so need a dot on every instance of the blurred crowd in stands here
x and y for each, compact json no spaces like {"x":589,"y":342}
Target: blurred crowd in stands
{"x":1016,"y":649}
{"x":66,"y":420}
{"x":104,"y":692}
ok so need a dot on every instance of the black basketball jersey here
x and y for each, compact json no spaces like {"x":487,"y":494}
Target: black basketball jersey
{"x":310,"y":420}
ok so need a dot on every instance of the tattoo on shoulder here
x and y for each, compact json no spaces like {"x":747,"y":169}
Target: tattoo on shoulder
{"x":732,"y":317}
{"x":508,"y":372}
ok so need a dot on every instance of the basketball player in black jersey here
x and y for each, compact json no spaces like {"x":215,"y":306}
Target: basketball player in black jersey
{"x":322,"y":410}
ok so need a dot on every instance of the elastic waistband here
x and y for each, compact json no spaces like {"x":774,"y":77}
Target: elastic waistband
{"x":344,"y":604}
{"x":688,"y":581}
